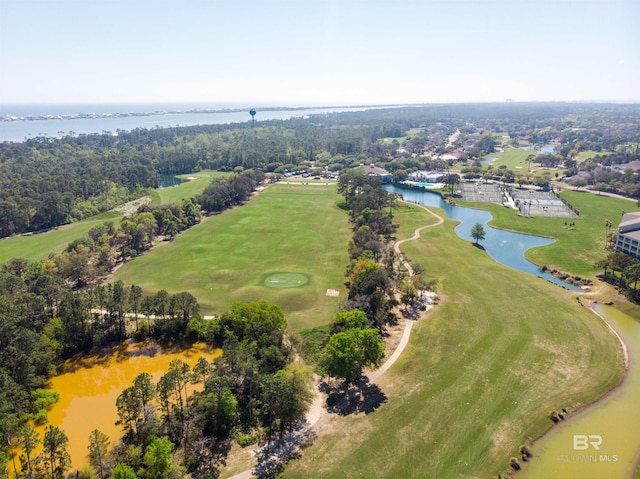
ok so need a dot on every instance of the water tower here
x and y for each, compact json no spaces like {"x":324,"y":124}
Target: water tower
{"x":252,"y":112}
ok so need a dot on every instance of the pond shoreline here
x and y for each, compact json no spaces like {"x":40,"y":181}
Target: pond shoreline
{"x":584,"y":409}
{"x":623,"y":345}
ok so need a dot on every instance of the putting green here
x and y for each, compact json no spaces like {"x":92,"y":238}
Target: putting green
{"x":285,"y":280}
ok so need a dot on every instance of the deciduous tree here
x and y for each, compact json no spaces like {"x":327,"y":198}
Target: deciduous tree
{"x":348,"y":353}
{"x":158,"y":460}
{"x":123,"y":471}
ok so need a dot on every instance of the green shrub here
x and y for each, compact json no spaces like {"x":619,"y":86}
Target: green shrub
{"x":245,"y":440}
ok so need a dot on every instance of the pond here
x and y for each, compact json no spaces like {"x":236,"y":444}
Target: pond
{"x":544,"y":149}
{"x":505,"y":247}
{"x":602,"y":439}
{"x":169,"y":181}
{"x":89,"y":387}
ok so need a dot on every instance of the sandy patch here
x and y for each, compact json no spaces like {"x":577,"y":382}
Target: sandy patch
{"x":132,"y":206}
{"x":333,"y":292}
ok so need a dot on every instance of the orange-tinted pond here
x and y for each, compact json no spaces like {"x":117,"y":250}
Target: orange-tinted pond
{"x":89,"y":387}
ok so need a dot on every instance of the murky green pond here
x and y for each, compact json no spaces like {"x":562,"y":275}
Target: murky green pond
{"x":602,"y":440}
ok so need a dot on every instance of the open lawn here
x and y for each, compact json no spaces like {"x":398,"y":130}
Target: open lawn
{"x":481,"y":373}
{"x":577,"y":248}
{"x":586,"y":155}
{"x":38,"y":246}
{"x":196,"y":182}
{"x":513,"y":158}
{"x":410,"y":133}
{"x":236,"y":255}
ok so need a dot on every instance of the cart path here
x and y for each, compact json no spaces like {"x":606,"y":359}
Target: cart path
{"x":416,"y":235}
{"x":408,"y":325}
{"x":316,"y":409}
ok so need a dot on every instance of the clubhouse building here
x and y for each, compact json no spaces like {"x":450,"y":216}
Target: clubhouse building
{"x":426,"y":176}
{"x":628,"y":240}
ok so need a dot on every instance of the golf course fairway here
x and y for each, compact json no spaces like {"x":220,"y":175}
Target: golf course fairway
{"x":480,"y":376}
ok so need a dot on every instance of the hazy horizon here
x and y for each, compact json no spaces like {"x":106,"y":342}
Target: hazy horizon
{"x":288,"y":104}
{"x":321,"y":53}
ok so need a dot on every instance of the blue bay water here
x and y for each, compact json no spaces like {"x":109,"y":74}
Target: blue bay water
{"x":147,"y":116}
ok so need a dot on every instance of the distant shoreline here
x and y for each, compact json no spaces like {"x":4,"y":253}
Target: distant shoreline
{"x":21,"y":121}
{"x":90,"y":115}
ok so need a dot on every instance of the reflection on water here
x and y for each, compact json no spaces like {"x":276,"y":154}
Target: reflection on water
{"x":89,"y":387}
{"x":169,"y":181}
{"x":602,"y":440}
{"x":505,"y":247}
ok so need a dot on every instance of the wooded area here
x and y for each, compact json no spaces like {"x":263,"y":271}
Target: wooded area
{"x":46,"y":182}
{"x":54,"y":308}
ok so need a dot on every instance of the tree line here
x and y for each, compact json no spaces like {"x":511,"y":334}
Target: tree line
{"x":184,"y":422}
{"x":46,"y":182}
{"x":370,"y":274}
{"x":375,"y":282}
{"x":622,"y":271}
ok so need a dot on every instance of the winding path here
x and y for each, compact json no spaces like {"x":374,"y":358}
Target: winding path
{"x":404,"y":340}
{"x":316,"y":410}
{"x":416,"y":234}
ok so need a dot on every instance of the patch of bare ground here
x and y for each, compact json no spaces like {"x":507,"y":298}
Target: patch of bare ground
{"x":392,"y":337}
{"x":132,"y":206}
{"x":239,"y":459}
{"x":562,"y":365}
{"x":502,"y":435}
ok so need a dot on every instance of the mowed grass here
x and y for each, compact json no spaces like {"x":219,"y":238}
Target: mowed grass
{"x":38,"y":246}
{"x":513,"y":158}
{"x":195,"y":184}
{"x":577,"y":248}
{"x":410,"y":133}
{"x":481,"y":372}
{"x":284,"y":229}
{"x":587,"y":155}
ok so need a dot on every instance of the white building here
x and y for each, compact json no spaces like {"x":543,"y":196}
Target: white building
{"x":426,"y":176}
{"x":628,"y":240}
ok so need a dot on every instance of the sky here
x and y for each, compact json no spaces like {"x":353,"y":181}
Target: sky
{"x":318,"y":52}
